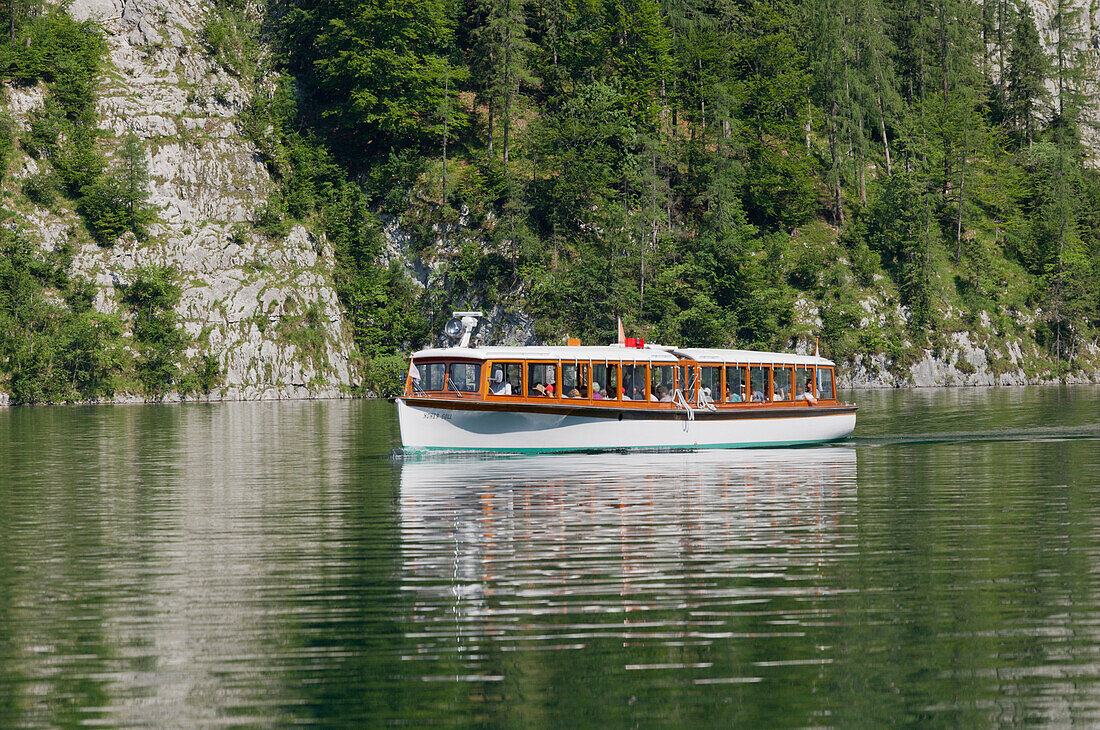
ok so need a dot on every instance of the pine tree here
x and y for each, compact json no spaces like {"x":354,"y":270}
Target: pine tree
{"x":1027,"y":68}
{"x":135,"y":182}
{"x":1061,"y":263}
{"x":504,"y":52}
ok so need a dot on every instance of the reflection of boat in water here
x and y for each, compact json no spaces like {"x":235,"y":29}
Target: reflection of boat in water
{"x":627,"y":396}
{"x":544,"y":530}
{"x":429,"y":475}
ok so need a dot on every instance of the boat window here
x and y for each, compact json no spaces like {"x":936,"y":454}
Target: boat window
{"x":505,"y":378}
{"x":574,"y":380}
{"x":802,"y":377}
{"x":758,"y":382}
{"x":825,"y":384}
{"x":431,"y":375}
{"x":661,"y":383}
{"x":710,"y":378}
{"x":542,"y":379}
{"x":781,"y":383}
{"x":606,"y":377}
{"x":633,"y":382}
{"x":464,"y":376}
{"x":735,"y":384}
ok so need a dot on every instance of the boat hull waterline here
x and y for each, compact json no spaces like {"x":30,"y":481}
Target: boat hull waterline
{"x":428,"y":425}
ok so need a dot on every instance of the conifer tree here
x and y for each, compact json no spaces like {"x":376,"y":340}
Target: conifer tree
{"x":1027,"y":66}
{"x":135,"y":181}
{"x":503,"y":64}
{"x":1068,"y":73}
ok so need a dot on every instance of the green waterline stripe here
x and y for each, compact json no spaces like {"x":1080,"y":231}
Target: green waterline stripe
{"x":517,"y":450}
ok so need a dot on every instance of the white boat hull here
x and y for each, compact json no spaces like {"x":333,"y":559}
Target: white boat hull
{"x":431,"y":427}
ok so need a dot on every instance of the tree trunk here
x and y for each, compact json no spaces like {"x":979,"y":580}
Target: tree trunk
{"x":702,"y":101}
{"x":836,"y":164}
{"x":809,"y":123}
{"x":882,"y":131}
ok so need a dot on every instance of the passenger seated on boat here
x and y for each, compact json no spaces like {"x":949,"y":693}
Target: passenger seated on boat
{"x":663,"y":394}
{"x":574,"y":393}
{"x":596,"y":394}
{"x":757,"y":396}
{"x":498,"y":385}
{"x":549,"y":393}
{"x":808,"y":396}
{"x":538,"y":390}
{"x":735,"y":397}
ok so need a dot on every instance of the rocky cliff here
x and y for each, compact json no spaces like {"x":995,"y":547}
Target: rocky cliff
{"x":245,"y":298}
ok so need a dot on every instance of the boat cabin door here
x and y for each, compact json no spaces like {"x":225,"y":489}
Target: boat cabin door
{"x":687,"y":379}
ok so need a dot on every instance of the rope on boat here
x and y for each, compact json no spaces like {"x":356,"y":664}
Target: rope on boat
{"x":681,"y":402}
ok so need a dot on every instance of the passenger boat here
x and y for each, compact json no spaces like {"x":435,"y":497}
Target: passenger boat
{"x":630,"y":395}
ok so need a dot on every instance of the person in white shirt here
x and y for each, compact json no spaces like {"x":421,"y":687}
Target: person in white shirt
{"x":498,"y":385}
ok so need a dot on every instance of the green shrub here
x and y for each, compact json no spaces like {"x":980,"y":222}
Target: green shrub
{"x":103,"y":206}
{"x":270,"y":218}
{"x":114,"y":204}
{"x":307,"y":332}
{"x":231,"y":38}
{"x":41,"y":142}
{"x":41,"y":188}
{"x":384,"y":375}
{"x":158,"y":337}
{"x":203,"y":376}
{"x":7,"y":131}
{"x":55,"y":48}
{"x":52,"y":352}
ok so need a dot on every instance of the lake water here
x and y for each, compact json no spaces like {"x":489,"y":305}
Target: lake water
{"x":273,"y":564}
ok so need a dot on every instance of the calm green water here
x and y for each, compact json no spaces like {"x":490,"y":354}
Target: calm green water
{"x":272,"y":564}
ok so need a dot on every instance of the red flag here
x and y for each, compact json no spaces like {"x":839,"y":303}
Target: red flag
{"x":622,"y":335}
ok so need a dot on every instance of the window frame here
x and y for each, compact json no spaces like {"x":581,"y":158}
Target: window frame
{"x":832,"y":383}
{"x":785,"y":381}
{"x":528,"y":384}
{"x":746,"y":396}
{"x":478,"y":386}
{"x":582,"y":374}
{"x":505,"y":365}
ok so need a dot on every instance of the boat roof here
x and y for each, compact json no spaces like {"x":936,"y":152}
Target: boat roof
{"x":621,"y":353}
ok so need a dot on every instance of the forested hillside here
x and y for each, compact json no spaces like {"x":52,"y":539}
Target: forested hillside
{"x":896,"y":177}
{"x":709,"y":170}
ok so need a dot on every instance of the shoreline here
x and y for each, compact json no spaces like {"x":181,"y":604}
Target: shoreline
{"x":176,"y":401}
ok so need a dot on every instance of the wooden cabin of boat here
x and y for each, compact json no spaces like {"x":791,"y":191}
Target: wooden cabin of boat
{"x":639,"y":377}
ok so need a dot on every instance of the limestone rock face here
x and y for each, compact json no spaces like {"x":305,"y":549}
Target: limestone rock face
{"x":266,"y":309}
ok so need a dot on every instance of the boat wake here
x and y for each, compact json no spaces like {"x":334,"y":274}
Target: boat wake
{"x":1039,"y":433}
